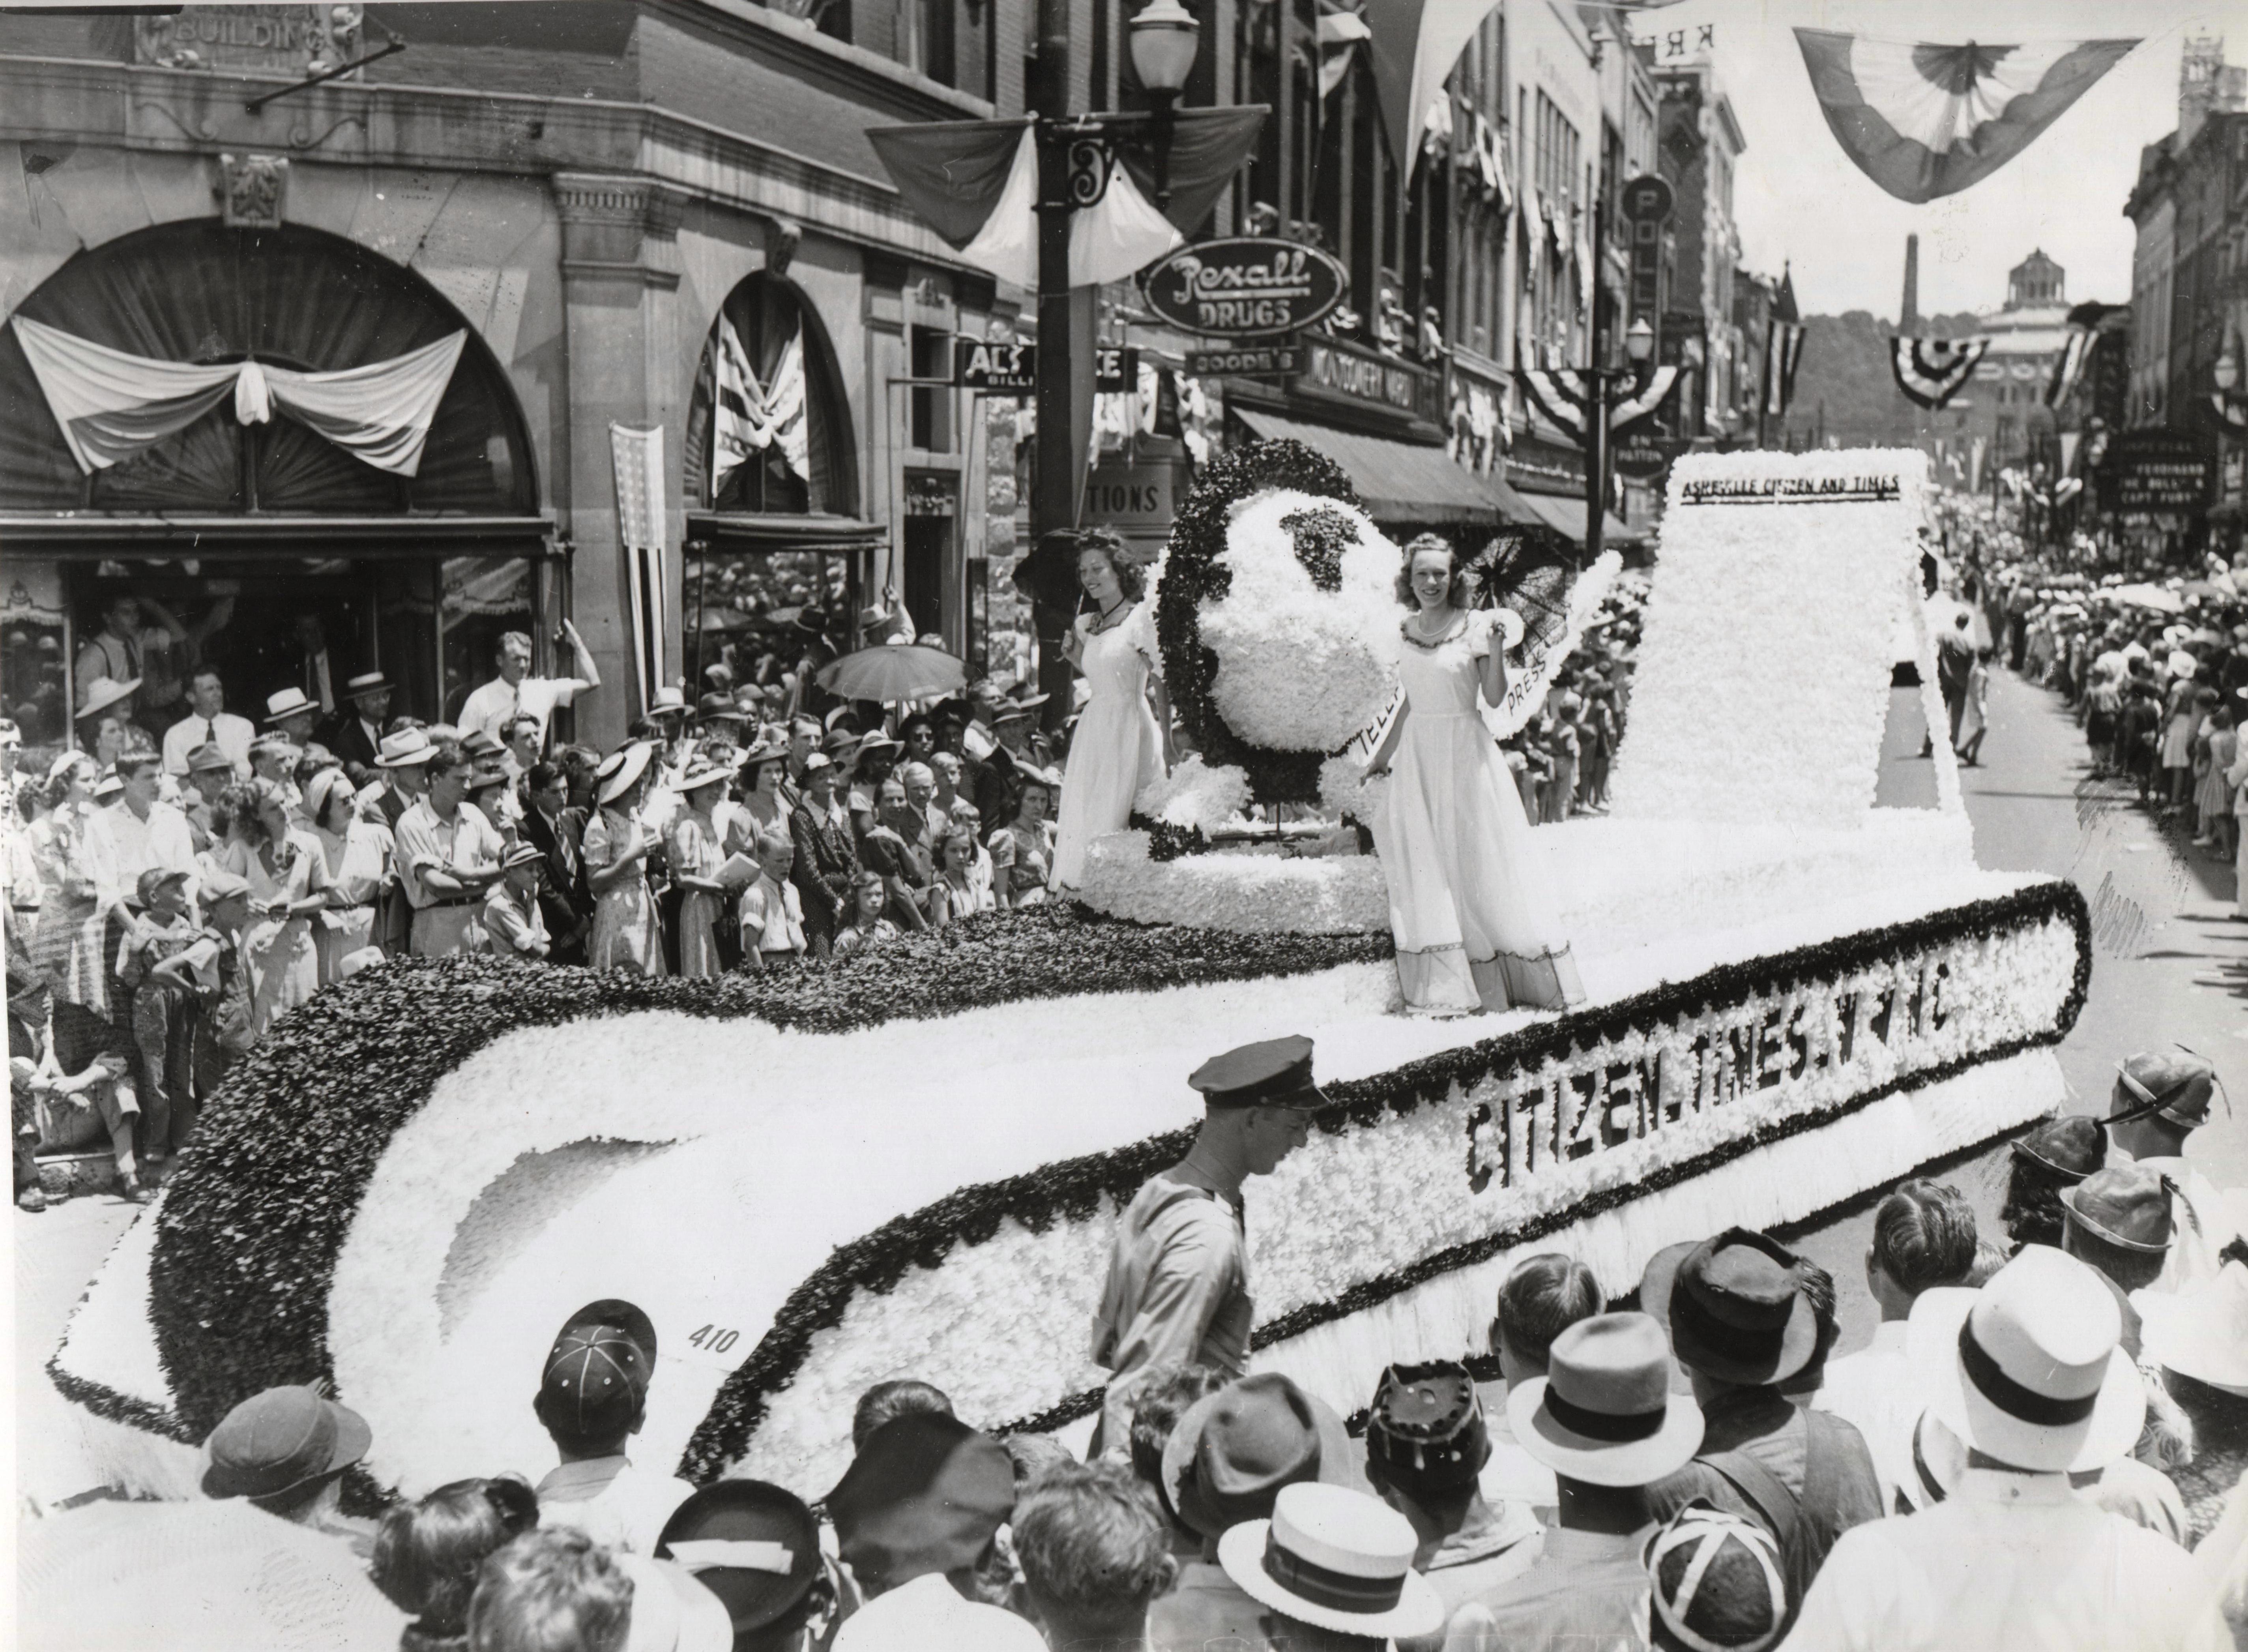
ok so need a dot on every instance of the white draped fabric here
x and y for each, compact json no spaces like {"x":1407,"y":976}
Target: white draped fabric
{"x":112,"y":406}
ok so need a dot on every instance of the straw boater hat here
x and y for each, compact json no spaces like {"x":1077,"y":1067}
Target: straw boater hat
{"x":104,"y":692}
{"x":2030,"y":1369}
{"x":365,"y":682}
{"x":289,"y":702}
{"x":1335,"y":1558}
{"x":1603,"y":1412}
{"x":754,"y":1546}
{"x":619,"y":770}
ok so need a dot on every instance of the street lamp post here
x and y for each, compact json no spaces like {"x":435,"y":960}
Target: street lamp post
{"x":1164,"y":38}
{"x":1639,"y":346}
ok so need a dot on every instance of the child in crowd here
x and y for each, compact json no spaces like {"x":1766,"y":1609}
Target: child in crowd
{"x":773,"y":912}
{"x":166,"y":1012}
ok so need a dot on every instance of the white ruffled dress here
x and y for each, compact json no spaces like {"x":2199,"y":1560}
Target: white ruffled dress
{"x":1117,"y":749}
{"x":1468,"y":884}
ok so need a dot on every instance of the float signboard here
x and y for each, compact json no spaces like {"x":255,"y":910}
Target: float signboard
{"x":1245,"y":287}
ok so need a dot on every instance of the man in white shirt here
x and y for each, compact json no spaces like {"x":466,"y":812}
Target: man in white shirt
{"x":448,"y":855}
{"x":208,"y":722}
{"x":2028,"y":1371}
{"x":1923,"y":1237}
{"x":592,"y":1398}
{"x":136,"y":833}
{"x":515,"y":692}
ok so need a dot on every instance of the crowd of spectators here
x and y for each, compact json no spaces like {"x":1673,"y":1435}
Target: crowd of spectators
{"x":186,"y":877}
{"x":1560,"y":756}
{"x":1699,"y":1467}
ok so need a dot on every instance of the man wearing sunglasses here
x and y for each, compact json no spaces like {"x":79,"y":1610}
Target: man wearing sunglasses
{"x":1178,"y":1269}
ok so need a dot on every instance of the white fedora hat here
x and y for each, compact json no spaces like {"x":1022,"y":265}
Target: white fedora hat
{"x":2029,"y":1369}
{"x":1337,"y":1559}
{"x":2202,"y":1334}
{"x":288,"y":703}
{"x":405,"y":750}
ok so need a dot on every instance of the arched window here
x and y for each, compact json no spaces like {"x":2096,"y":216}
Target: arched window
{"x":198,"y":292}
{"x":768,"y":428}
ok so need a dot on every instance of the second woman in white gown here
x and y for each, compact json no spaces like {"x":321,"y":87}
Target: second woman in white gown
{"x":1119,"y":746}
{"x":1468,"y":901}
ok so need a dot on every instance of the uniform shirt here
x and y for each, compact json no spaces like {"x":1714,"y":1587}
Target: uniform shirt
{"x":1177,"y":1290}
{"x":424,"y":842}
{"x":1585,"y":1592}
{"x":516,"y":926}
{"x":929,"y":1615}
{"x":612,"y":1502}
{"x":232,"y":733}
{"x":1874,"y":1390}
{"x":2009,"y":1563}
{"x":496,"y":703}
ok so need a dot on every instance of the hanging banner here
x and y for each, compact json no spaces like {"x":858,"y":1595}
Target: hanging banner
{"x":637,"y":458}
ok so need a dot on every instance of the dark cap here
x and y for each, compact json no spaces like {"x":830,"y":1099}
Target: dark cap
{"x":926,"y":1493}
{"x":1426,"y":1432}
{"x":155,"y":879}
{"x":754,"y":1546}
{"x":2070,"y":1147}
{"x":2127,"y":1206}
{"x":596,"y":1376}
{"x":1276,"y":1072}
{"x":282,"y":1440}
{"x":1734,"y":1306}
{"x":2178,"y":1087}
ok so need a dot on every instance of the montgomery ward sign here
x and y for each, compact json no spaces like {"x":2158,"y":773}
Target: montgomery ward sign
{"x":1247,"y":287}
{"x":1339,"y":372}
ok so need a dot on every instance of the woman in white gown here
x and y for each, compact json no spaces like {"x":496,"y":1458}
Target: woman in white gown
{"x":1466,"y":882}
{"x":1120,"y":740}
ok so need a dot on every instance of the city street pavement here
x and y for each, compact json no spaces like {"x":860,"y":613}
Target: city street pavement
{"x":2171,"y":965}
{"x":2169,"y":962}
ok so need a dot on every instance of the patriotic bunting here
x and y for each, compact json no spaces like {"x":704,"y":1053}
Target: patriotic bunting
{"x":1564,"y":396}
{"x":1930,"y":370}
{"x":637,"y":459}
{"x":1414,"y":46}
{"x":976,"y":183}
{"x":1928,"y":120}
{"x":2068,"y":366}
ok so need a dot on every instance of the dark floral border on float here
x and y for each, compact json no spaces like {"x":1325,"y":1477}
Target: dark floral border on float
{"x":251,"y":1226}
{"x":1192,"y":574}
{"x":254,"y":1218}
{"x":1073,"y":1188}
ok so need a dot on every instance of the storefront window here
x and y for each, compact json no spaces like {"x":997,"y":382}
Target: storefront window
{"x":757,"y":612}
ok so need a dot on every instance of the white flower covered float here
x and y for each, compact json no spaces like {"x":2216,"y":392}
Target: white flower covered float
{"x":405,"y":1188}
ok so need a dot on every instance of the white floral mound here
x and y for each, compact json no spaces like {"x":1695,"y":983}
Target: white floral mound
{"x":1764,"y":662}
{"x":1300,"y":667}
{"x":1196,"y":795}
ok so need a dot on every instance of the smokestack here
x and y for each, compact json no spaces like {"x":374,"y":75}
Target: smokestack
{"x":1910,"y":318}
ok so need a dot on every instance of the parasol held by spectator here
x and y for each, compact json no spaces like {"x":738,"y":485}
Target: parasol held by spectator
{"x":892,"y":672}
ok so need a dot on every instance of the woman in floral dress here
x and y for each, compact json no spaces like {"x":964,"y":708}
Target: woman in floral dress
{"x":615,"y":853}
{"x":1021,"y":851}
{"x":696,"y":854}
{"x":67,"y":948}
{"x":288,"y":878}
{"x":361,"y":857}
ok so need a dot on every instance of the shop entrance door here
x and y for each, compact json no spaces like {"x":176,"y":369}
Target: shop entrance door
{"x":930,"y":552}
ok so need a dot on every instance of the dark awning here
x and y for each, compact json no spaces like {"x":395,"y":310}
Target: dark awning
{"x":1398,"y":480}
{"x":95,"y":536}
{"x":783,"y":530}
{"x":1567,"y":517}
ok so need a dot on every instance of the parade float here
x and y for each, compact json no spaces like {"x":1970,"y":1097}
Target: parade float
{"x":910,"y":1163}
